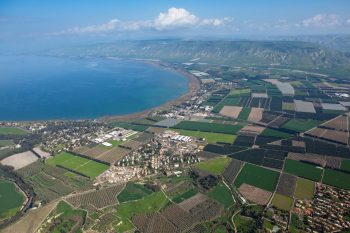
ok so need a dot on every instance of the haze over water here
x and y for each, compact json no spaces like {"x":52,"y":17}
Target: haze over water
{"x":43,"y":88}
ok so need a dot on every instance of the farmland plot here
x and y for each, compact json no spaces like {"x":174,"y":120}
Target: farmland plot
{"x":304,"y":170}
{"x":20,"y":160}
{"x":282,"y":202}
{"x":304,"y":189}
{"x":257,"y":176}
{"x":336,"y":178}
{"x":255,"y":114}
{"x":232,"y":170}
{"x":254,"y":194}
{"x":98,"y":198}
{"x":231,"y":111}
{"x":286,"y":184}
{"x":208,"y":127}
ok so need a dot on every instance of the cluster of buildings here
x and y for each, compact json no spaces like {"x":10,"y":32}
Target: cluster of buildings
{"x":68,"y":135}
{"x":117,"y":174}
{"x":329,"y":211}
{"x":117,"y":134}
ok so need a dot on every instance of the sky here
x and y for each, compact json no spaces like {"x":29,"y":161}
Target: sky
{"x":88,"y":20}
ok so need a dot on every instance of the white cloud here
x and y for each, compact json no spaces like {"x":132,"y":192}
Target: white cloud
{"x":175,"y":17}
{"x":322,"y":20}
{"x":172,"y":19}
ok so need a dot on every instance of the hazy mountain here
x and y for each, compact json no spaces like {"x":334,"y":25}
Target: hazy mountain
{"x":292,"y":54}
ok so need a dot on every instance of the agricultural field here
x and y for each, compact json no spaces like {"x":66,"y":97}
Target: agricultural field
{"x":209,"y":127}
{"x":257,"y":176}
{"x":184,"y":196}
{"x":255,"y":194}
{"x":11,"y":199}
{"x":288,"y":106}
{"x":345,"y":165}
{"x":78,"y":164}
{"x":301,"y":125}
{"x":244,"y":114}
{"x":12,"y":131}
{"x":6,"y":143}
{"x":50,"y":182}
{"x":149,"y":204}
{"x":20,"y":160}
{"x":238,"y":92}
{"x":274,"y":133}
{"x":303,"y":170}
{"x":222,"y":194}
{"x":210,"y":137}
{"x":304,"y":189}
{"x":232,"y":170}
{"x":282,"y":202}
{"x":133,"y":191}
{"x":215,"y":166}
{"x":97,"y":198}
{"x":287,"y":184}
{"x":336,"y":178}
{"x":64,"y":218}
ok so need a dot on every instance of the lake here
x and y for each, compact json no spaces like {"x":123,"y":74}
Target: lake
{"x":46,"y":88}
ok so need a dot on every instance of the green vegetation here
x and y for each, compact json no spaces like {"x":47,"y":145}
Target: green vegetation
{"x":188,"y":194}
{"x":345,"y":165}
{"x":81,"y":165}
{"x":210,"y":137}
{"x":288,"y":106}
{"x":302,"y":169}
{"x":274,"y":133}
{"x":336,"y":178}
{"x":257,"y":176}
{"x":64,"y":219}
{"x":215,"y":166}
{"x":149,"y":204}
{"x":11,"y":199}
{"x":244,"y":114}
{"x":6,"y":143}
{"x":238,"y":92}
{"x":209,"y":127}
{"x":305,"y":189}
{"x":222,"y":194}
{"x":282,"y":202}
{"x":242,"y":223}
{"x":301,"y":125}
{"x":12,"y":131}
{"x":133,"y":191}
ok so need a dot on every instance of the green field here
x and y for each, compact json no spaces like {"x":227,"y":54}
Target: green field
{"x":133,"y":191}
{"x":301,"y":125}
{"x":238,"y":92}
{"x":149,"y":204}
{"x":208,"y":127}
{"x":336,"y":178}
{"x":215,"y":166}
{"x":184,"y":196}
{"x":82,"y":165}
{"x":302,"y":169}
{"x":304,"y":189}
{"x":6,"y":143}
{"x":282,"y":202}
{"x":244,"y":114}
{"x":222,"y":194}
{"x":345,"y":165}
{"x":274,"y":133}
{"x":288,"y":106}
{"x":257,"y":176}
{"x":11,"y":199}
{"x":12,"y":131}
{"x":210,"y":137}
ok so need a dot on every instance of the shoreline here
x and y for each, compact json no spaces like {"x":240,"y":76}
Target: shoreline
{"x":193,"y":87}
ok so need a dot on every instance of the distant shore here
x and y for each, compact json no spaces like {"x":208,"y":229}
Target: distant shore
{"x":193,"y":87}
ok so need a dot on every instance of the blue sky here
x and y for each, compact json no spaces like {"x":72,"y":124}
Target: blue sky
{"x":119,"y":19}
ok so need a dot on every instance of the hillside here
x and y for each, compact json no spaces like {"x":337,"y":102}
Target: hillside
{"x":291,"y":54}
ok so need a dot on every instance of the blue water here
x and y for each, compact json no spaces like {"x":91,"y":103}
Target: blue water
{"x":43,"y":88}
